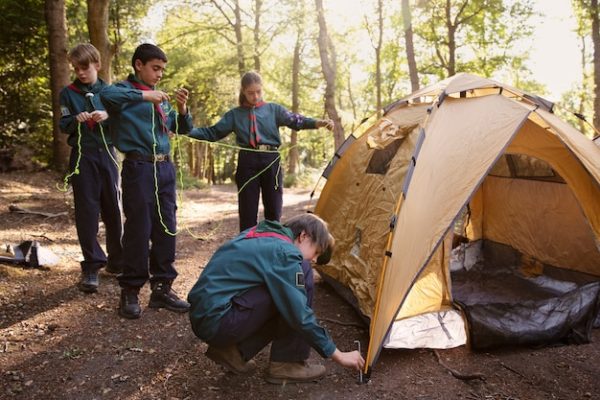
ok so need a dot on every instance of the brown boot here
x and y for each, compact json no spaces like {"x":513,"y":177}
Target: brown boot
{"x":230,"y":358}
{"x":282,"y":372}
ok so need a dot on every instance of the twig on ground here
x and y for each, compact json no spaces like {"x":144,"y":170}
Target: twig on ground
{"x":16,"y":209}
{"x":42,"y":236}
{"x":513,"y":370}
{"x":457,"y":374}
{"x":335,"y":321}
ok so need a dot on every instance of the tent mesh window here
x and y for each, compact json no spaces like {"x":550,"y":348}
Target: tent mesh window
{"x":522,"y":166}
{"x":382,"y":158}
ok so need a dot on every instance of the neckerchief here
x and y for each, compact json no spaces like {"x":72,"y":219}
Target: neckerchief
{"x":157,"y":107}
{"x":254,"y":135}
{"x":253,"y":233}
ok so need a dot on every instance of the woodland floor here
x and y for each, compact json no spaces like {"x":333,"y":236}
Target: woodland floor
{"x":59,"y":343}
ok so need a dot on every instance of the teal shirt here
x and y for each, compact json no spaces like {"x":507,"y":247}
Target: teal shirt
{"x":244,"y":263}
{"x":73,"y":101}
{"x":131,"y":124}
{"x":269,"y":117}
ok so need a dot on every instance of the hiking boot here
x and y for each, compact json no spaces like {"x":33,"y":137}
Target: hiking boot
{"x":129,"y":306}
{"x":230,"y":358}
{"x":282,"y":372}
{"x":89,"y":281}
{"x":164,"y":297}
{"x":113,"y":268}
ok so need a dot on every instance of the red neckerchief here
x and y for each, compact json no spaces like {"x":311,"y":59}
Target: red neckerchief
{"x":254,"y":135}
{"x":90,"y":122}
{"x":157,"y":107}
{"x":252,"y":234}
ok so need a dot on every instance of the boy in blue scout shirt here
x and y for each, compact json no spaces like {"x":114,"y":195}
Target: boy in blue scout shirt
{"x":140,"y":121}
{"x":256,"y":127}
{"x":256,"y":290}
{"x":95,"y":177}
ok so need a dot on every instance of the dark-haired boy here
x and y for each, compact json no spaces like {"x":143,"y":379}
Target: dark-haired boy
{"x":255,"y":290}
{"x":95,"y":178}
{"x":140,"y":121}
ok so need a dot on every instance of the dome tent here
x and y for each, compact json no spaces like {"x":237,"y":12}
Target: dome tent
{"x":495,"y":164}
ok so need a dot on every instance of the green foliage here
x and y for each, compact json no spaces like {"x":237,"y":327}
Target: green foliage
{"x":25,"y":110}
{"x":484,"y":38}
{"x":574,"y":101}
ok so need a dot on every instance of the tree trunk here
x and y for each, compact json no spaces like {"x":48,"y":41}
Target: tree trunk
{"x":378,"y":55}
{"x":293,"y":156}
{"x":238,"y":37}
{"x":54,"y":11}
{"x":97,"y":20}
{"x":581,"y":108}
{"x":329,"y":74}
{"x":257,"y":12}
{"x":596,"y":41}
{"x":451,"y":67}
{"x":410,"y":49}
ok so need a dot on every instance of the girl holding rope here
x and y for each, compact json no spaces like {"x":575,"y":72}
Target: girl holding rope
{"x":256,"y":126}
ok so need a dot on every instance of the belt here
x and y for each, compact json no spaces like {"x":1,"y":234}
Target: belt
{"x":148,"y":158}
{"x":263,"y":147}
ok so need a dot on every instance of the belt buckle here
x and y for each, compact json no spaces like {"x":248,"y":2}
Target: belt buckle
{"x":160,"y":157}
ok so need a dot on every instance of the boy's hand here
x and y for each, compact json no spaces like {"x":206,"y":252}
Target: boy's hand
{"x":350,"y":359}
{"x":155,"y":96}
{"x":181,"y":96}
{"x":99,"y":115}
{"x":325,"y":123}
{"x":83,"y":116}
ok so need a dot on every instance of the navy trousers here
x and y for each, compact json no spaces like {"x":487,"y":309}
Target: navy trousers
{"x":145,"y":238}
{"x":269,"y":182}
{"x":96,"y":193}
{"x":253,"y":321}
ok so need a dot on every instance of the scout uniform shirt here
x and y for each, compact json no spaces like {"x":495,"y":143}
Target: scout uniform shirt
{"x":73,"y":101}
{"x":253,"y":126}
{"x":131,"y":124}
{"x":264,"y":255}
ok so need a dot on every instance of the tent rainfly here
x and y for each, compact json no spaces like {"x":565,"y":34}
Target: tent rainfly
{"x":468,"y":213}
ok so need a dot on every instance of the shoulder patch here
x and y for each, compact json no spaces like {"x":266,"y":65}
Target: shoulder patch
{"x":64,"y":111}
{"x":300,"y":279}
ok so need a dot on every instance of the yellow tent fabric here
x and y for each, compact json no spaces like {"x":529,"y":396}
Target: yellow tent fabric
{"x":469,"y":125}
{"x":455,"y":164}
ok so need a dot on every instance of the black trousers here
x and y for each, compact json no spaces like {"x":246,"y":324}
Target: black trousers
{"x":96,"y":193}
{"x":251,"y":184}
{"x":253,"y":321}
{"x":145,"y":238}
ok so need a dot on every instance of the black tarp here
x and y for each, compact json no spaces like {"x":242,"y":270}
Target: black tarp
{"x":504,"y":306}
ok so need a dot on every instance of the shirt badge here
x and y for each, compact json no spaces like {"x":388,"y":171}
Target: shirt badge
{"x":299,"y":279}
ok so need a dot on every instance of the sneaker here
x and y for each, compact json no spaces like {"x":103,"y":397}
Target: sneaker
{"x":230,"y":358}
{"x":129,"y":306}
{"x":294,"y":372}
{"x":89,"y":281}
{"x":164,"y":297}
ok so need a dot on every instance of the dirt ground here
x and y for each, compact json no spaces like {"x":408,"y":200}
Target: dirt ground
{"x":59,"y":343}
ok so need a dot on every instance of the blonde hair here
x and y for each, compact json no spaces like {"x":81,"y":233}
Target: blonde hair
{"x":83,"y":55}
{"x":249,"y":78}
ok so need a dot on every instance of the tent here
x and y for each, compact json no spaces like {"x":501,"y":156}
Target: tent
{"x":468,"y":213}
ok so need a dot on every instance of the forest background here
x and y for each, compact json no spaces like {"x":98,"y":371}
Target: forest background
{"x":312,"y":62}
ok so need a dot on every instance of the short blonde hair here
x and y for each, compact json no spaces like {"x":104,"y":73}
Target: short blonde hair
{"x":83,"y":55}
